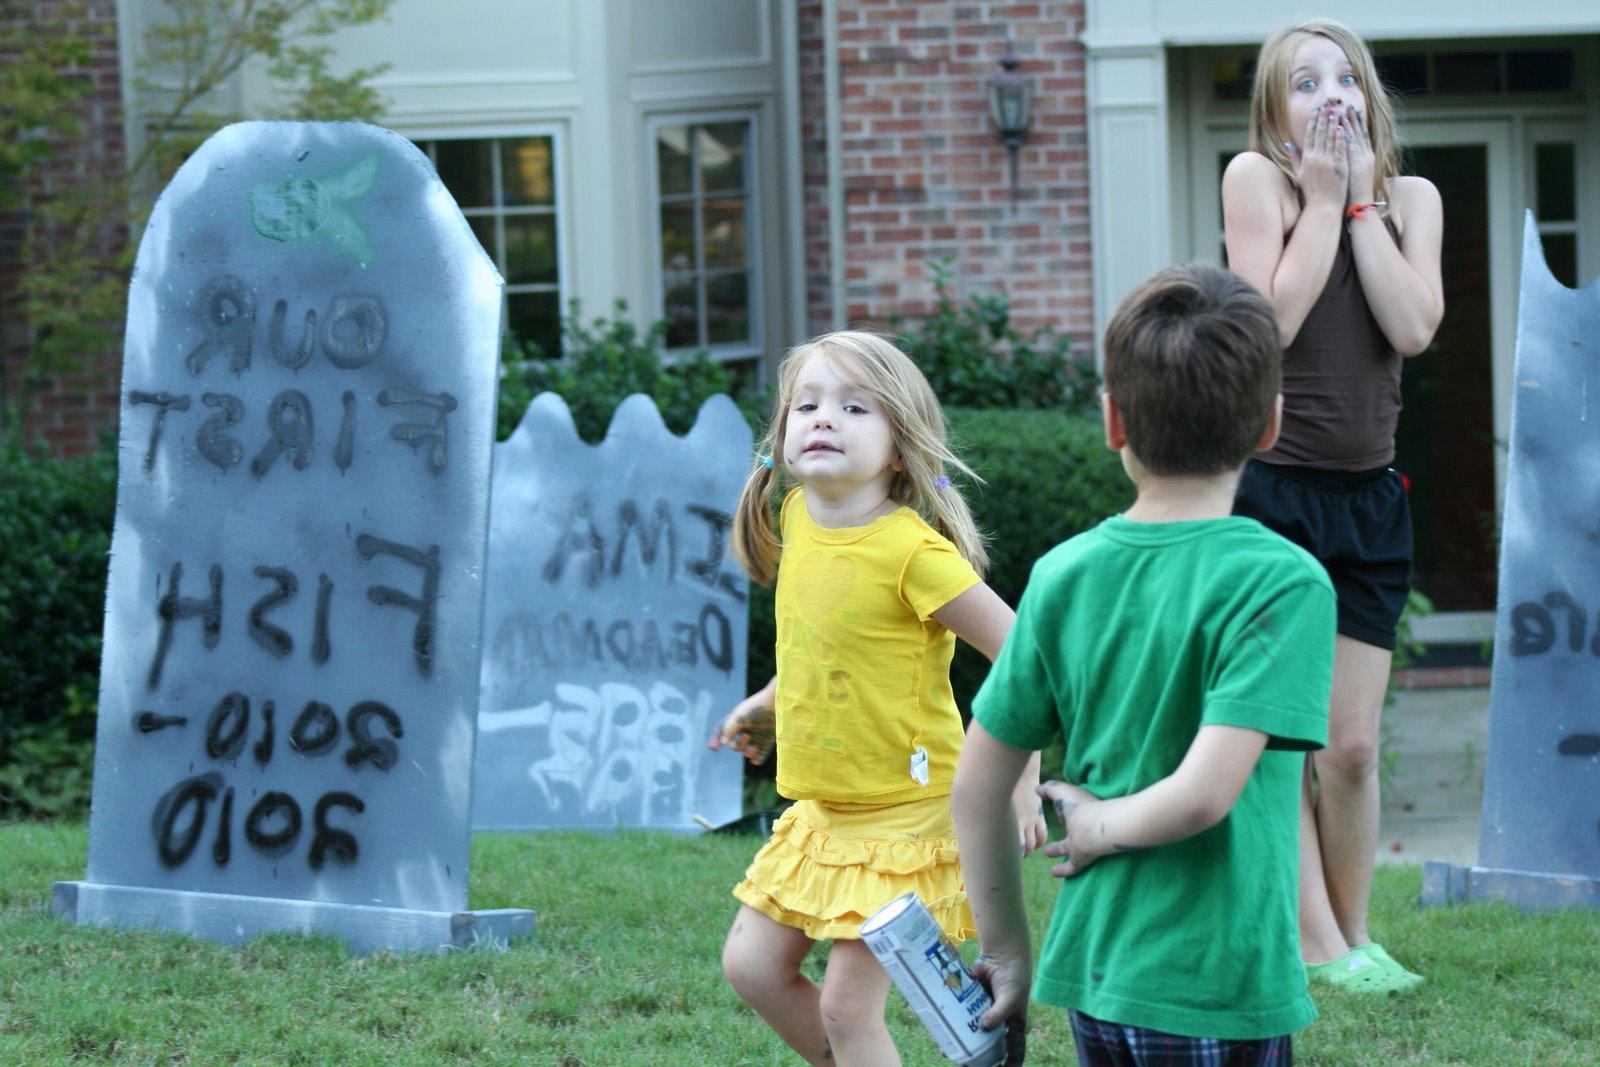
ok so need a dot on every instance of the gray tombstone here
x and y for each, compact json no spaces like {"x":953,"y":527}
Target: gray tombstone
{"x":1539,"y":843}
{"x":615,"y":623}
{"x":294,"y":613}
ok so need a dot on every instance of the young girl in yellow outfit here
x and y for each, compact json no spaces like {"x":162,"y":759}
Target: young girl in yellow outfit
{"x":877,"y":562}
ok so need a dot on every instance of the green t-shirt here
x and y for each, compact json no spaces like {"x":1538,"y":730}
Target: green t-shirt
{"x":1129,"y":638}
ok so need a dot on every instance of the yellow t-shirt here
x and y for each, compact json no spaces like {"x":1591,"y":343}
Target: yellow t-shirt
{"x":863,"y":668}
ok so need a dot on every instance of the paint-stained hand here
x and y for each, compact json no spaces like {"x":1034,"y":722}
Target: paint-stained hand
{"x":1008,"y":982}
{"x":1073,"y":804}
{"x":1322,"y":164}
{"x":750,"y":728}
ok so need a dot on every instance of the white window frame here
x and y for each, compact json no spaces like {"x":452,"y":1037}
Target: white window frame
{"x":557,"y":132}
{"x":755,"y":346}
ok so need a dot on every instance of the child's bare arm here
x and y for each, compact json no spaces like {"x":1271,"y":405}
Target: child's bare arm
{"x":981,"y":619}
{"x":982,"y":807}
{"x":1193,"y":798}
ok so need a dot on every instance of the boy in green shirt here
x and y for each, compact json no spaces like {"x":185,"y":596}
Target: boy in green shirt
{"x":1186,"y":657}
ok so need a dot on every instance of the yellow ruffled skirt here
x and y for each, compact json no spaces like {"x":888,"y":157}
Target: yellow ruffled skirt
{"x":828,"y":867}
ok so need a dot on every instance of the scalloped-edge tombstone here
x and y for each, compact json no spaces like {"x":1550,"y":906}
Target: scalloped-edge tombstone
{"x":615,"y":623}
{"x":1539,"y":839}
{"x":289,"y":682}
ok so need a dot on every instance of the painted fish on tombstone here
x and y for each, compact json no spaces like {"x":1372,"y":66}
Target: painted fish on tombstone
{"x":293,"y":628}
{"x":614,"y":623}
{"x":1539,"y":840}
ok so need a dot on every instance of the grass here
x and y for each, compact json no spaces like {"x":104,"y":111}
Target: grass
{"x":624,"y":970}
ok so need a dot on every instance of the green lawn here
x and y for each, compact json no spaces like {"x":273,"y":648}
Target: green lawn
{"x":623,"y":970}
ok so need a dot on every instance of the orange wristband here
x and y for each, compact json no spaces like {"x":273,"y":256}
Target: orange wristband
{"x":1359,"y":211}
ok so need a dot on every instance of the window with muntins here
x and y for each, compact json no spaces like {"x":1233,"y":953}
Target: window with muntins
{"x":506,"y":188}
{"x":704,"y":193}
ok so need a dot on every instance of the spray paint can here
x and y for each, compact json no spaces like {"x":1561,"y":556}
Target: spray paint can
{"x":935,"y":980}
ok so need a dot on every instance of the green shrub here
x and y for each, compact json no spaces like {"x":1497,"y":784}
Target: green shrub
{"x":55,"y":536}
{"x":605,"y":362}
{"x":975,"y":357}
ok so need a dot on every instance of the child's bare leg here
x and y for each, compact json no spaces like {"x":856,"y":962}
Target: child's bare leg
{"x":1347,"y":777}
{"x":854,"y":991}
{"x":761,"y":959}
{"x":1320,"y":939}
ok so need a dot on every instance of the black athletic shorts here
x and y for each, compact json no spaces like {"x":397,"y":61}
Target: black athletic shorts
{"x":1356,"y":523}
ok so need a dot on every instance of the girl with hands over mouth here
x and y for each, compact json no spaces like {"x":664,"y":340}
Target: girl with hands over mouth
{"x":877,"y":562}
{"x":1346,"y":249}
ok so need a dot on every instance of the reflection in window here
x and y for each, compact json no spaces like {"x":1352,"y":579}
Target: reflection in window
{"x":506,"y":189}
{"x":707,"y":244}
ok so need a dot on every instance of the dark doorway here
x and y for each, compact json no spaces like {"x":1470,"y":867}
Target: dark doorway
{"x":1445,"y":444}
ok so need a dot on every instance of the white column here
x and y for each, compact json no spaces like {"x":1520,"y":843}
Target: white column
{"x":1130,"y":213}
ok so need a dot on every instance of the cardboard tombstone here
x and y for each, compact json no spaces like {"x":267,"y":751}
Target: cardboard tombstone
{"x":1539,"y":840}
{"x":293,"y":617}
{"x":615,"y":627}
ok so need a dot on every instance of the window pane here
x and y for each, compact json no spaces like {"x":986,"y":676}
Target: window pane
{"x":1555,"y":178}
{"x":529,"y":172}
{"x":672,"y":159}
{"x":1404,"y":75}
{"x":535,"y":317}
{"x":726,"y":242}
{"x":677,"y":237}
{"x":530,"y":249}
{"x":1561,"y":253}
{"x":721,"y":155}
{"x":1540,"y":71}
{"x":466,"y":168}
{"x":681,"y":310}
{"x":483,"y":230}
{"x":1466,"y":72}
{"x":1230,"y":78}
{"x":727,"y":308}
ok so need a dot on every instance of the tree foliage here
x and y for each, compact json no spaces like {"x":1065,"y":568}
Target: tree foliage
{"x":73,"y":286}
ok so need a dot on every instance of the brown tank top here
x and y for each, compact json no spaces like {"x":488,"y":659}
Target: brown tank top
{"x":1341,"y":379}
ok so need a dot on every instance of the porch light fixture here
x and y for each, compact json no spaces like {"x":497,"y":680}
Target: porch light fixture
{"x":1011,"y":106}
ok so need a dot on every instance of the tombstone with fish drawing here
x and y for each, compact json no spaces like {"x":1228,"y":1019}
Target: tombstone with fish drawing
{"x":293,"y":617}
{"x":614,"y":623}
{"x":1539,"y":839}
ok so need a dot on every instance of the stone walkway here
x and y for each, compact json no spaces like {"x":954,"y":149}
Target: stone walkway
{"x":1434,"y":741}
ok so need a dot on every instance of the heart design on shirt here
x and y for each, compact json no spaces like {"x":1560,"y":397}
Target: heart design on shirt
{"x":824,"y":583}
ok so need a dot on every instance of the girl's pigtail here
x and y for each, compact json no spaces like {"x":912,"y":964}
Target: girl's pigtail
{"x":755,"y":542}
{"x":927,"y":456}
{"x":955,"y":522}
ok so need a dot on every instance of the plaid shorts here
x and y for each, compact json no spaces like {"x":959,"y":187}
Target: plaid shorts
{"x":1103,"y":1044}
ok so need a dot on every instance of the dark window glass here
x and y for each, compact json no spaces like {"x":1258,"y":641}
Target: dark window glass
{"x":467,"y":169}
{"x":681,"y":307}
{"x":1231,"y":78}
{"x":527,"y":173}
{"x":1404,"y":75}
{"x":1556,"y":178}
{"x":677,"y":237}
{"x":536,"y":317}
{"x":1541,"y":70}
{"x":1561,"y":253}
{"x":727,"y":308}
{"x":530,"y":249}
{"x":1466,"y":72}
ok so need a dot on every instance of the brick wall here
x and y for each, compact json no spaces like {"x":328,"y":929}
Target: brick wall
{"x":67,"y":411}
{"x":925,"y":174}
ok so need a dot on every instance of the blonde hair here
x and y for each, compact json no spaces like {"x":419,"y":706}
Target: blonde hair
{"x":918,"y":429}
{"x":1270,"y":90}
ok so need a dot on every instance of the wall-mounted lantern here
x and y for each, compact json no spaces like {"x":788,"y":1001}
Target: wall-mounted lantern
{"x":1011,"y":107}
